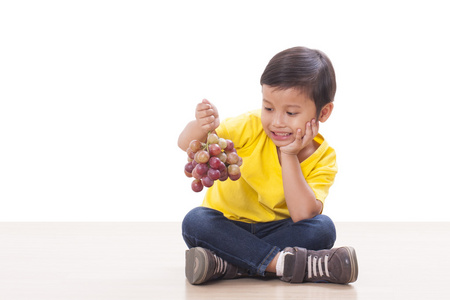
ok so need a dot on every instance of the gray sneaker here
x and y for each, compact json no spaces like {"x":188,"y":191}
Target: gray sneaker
{"x":202,"y":265}
{"x":338,"y":265}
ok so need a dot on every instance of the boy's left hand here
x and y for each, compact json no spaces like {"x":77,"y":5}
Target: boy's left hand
{"x":301,"y":141}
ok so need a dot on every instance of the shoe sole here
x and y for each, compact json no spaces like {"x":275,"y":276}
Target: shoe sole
{"x":353,"y":263}
{"x":196,"y":265}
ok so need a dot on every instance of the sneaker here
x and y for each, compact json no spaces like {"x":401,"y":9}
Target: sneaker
{"x":338,"y":265}
{"x":202,"y":265}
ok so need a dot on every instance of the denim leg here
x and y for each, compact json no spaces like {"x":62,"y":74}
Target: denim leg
{"x":313,"y":234}
{"x":210,"y":229}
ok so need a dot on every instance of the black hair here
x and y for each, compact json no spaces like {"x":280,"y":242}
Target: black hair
{"x":308,"y":70}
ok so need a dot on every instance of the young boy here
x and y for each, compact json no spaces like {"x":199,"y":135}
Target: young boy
{"x":269,"y":222}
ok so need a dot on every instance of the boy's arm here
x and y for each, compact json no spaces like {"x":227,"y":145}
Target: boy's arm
{"x":300,"y":198}
{"x":206,"y":120}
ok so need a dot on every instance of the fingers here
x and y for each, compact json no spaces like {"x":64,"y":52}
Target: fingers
{"x":294,"y":147}
{"x":212,"y":106}
{"x":207,"y":115}
{"x":308,"y":133}
{"x":203,"y":111}
{"x":298,"y":135}
{"x":312,"y":129}
{"x":302,"y":140}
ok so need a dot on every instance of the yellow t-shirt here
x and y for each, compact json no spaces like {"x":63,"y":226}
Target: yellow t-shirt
{"x":258,"y":196}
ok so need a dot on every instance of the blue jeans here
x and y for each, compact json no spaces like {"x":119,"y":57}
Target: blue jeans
{"x":253,"y":246}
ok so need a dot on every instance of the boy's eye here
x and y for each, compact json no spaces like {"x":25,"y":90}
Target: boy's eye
{"x":291,"y":113}
{"x":268,"y":108}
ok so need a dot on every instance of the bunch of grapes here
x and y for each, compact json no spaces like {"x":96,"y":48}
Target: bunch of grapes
{"x":215,"y":160}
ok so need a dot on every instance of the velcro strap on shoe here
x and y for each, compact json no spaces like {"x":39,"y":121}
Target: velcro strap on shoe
{"x":300,"y":265}
{"x":294,"y":265}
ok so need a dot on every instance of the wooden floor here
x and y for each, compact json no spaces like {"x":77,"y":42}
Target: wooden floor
{"x":146,"y":261}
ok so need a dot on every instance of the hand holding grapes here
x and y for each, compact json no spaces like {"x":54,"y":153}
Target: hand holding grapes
{"x":207,"y":116}
{"x":216,"y":159}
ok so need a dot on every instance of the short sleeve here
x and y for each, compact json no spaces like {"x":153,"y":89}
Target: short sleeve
{"x":320,"y":169}
{"x":321,"y":179}
{"x":240,"y":129}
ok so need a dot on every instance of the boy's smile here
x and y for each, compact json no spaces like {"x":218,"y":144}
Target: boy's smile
{"x":279,"y":136}
{"x":283,"y":112}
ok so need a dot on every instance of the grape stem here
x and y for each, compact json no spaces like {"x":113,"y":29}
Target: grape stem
{"x":207,"y":144}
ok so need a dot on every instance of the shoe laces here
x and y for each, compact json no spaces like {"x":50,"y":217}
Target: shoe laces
{"x":220,"y":265}
{"x":317,"y":265}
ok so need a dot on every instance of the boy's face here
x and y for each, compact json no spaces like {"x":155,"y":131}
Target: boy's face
{"x":285,"y":111}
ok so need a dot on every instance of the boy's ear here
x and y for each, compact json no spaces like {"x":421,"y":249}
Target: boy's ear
{"x":326,"y":112}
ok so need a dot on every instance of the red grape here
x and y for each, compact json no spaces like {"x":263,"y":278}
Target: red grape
{"x":230,"y":145}
{"x":222,"y":143}
{"x":190,"y":153}
{"x":233,"y":170}
{"x":202,"y":169}
{"x":196,"y":175}
{"x":208,"y":182}
{"x":240,"y":161}
{"x":201,"y":156}
{"x":212,"y":138}
{"x":197,"y":185}
{"x":223,"y":176}
{"x":232,"y":158}
{"x":223,"y":157}
{"x":213,"y":174}
{"x":214,"y":162}
{"x":234,"y":177}
{"x":222,"y":167}
{"x":195,"y":145}
{"x":189,"y":167}
{"x":214,"y":149}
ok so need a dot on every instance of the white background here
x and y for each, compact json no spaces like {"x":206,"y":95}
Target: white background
{"x":93,"y":96}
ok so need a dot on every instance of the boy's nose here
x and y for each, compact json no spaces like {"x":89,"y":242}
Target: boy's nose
{"x":278,"y":120}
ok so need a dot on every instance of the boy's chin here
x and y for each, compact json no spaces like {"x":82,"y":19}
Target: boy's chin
{"x":281,"y":143}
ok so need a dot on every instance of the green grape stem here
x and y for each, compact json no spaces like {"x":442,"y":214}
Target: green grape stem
{"x":207,"y":147}
{"x":207,"y":144}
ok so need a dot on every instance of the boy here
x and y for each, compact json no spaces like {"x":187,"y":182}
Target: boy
{"x":269,"y":222}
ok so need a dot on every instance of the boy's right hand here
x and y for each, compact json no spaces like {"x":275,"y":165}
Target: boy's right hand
{"x":207,"y":116}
